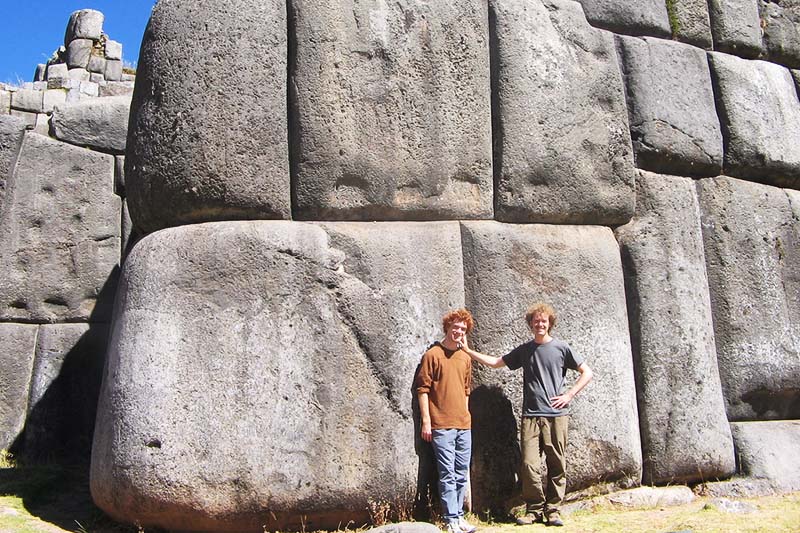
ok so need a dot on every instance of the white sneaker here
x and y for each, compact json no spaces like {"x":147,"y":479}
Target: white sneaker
{"x":452,"y":527}
{"x":465,"y":526}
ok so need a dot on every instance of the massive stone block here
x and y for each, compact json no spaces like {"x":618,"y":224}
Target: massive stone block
{"x":84,"y":24}
{"x":100,"y":123}
{"x":690,"y":22}
{"x":673,"y":121}
{"x":752,"y":243}
{"x":576,"y":268}
{"x":65,"y":384}
{"x":59,"y":234}
{"x":208,"y":135}
{"x":760,"y":119}
{"x":768,"y":450}
{"x":781,"y":23}
{"x":564,"y":152}
{"x":631,"y":17}
{"x":11,"y":132}
{"x":685,"y":432}
{"x":736,"y":26}
{"x":260,"y":373}
{"x":17,"y":346}
{"x":391,"y":110}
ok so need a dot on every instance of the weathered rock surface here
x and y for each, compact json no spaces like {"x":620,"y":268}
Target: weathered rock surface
{"x":17,"y":347}
{"x":208,"y":130}
{"x":760,"y":119}
{"x":12,"y":130}
{"x":781,"y":23}
{"x":564,"y":152}
{"x":631,"y":17}
{"x":673,"y":121}
{"x":79,"y":52}
{"x":690,"y":22}
{"x":406,"y":527}
{"x":737,"y":487}
{"x":736,"y":27}
{"x":644,"y":497}
{"x":752,"y":243}
{"x":685,"y":433}
{"x":509,"y":267}
{"x":84,"y":24}
{"x":768,"y":450}
{"x":270,"y":321}
{"x":65,"y":384}
{"x":59,"y":234}
{"x":393,"y":111}
{"x":100,"y":123}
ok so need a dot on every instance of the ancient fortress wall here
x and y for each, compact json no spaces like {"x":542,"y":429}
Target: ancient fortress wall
{"x":312,"y":185}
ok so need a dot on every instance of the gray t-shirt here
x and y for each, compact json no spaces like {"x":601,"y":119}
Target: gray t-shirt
{"x":544,"y":367}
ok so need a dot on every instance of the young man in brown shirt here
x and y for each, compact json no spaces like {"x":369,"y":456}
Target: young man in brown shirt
{"x":443,"y":387}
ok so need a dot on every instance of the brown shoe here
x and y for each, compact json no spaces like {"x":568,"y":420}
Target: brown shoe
{"x":530,"y":518}
{"x":554,"y":519}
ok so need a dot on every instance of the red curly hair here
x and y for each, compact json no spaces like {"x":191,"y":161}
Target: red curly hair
{"x":459,"y":315}
{"x":541,"y":309}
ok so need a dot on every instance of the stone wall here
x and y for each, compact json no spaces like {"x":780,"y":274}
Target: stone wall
{"x":309,"y":215}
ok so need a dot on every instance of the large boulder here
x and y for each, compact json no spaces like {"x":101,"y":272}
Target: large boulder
{"x":781,"y":23}
{"x":208,"y":128}
{"x":768,"y":450}
{"x":17,"y":348}
{"x":392,"y":110}
{"x":673,"y":120}
{"x":630,"y":17}
{"x":752,"y":242}
{"x":259,"y":377}
{"x":65,"y":383}
{"x":576,"y":268}
{"x":760,"y":118}
{"x":685,"y":432}
{"x":562,"y":140}
{"x":736,"y":27}
{"x":99,"y":123}
{"x":59,"y":234}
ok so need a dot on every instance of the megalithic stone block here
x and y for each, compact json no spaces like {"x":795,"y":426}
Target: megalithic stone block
{"x":392,"y":110}
{"x":255,"y":354}
{"x":736,"y":27}
{"x":768,"y":451}
{"x":672,"y":334}
{"x":17,"y":348}
{"x":96,"y":123}
{"x":561,"y":134}
{"x":629,"y":17}
{"x":59,"y":234}
{"x":84,"y":24}
{"x":751,"y":237}
{"x":208,"y":131}
{"x":79,"y":52}
{"x":781,"y":23}
{"x":760,"y":119}
{"x":577,"y":269}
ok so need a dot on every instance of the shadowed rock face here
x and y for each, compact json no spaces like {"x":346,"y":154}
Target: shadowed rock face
{"x":391,"y":110}
{"x":208,"y":134}
{"x":258,"y":375}
{"x":778,"y":462}
{"x":17,"y":347}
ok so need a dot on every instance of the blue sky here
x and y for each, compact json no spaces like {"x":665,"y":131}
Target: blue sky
{"x":31,"y":30}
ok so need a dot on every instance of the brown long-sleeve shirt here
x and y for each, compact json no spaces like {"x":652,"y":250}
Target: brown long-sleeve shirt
{"x":447,"y":379}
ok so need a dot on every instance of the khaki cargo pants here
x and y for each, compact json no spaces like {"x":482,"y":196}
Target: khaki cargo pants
{"x":548,"y":435}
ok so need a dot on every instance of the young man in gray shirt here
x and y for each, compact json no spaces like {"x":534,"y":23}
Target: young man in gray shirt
{"x":544,"y":362}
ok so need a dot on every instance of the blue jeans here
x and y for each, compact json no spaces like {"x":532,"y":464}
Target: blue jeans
{"x":452,"y":449}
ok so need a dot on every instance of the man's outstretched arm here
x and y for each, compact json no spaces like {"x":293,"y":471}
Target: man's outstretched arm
{"x":482,"y":358}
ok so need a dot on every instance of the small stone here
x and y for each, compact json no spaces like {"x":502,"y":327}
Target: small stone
{"x":113,"y":49}
{"x":80,"y":74}
{"x":84,"y":24}
{"x":57,"y":71}
{"x":78,"y":53}
{"x":27,"y":100}
{"x":96,"y":64}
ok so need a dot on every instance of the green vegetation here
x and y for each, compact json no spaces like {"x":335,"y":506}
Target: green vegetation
{"x":674,"y":20}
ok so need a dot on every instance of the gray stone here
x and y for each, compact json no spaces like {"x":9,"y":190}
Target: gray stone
{"x":96,"y":64}
{"x":630,"y":17}
{"x":5,"y":102}
{"x":111,"y":88}
{"x":59,"y":234}
{"x":559,"y":74}
{"x":113,"y":49}
{"x":393,"y":110}
{"x":17,"y":344}
{"x":62,"y":83}
{"x":731,"y":506}
{"x":507,"y":268}
{"x":736,"y":488}
{"x":780,"y":21}
{"x":42,"y":126}
{"x":760,"y":118}
{"x":63,"y":394}
{"x":752,"y":244}
{"x":79,"y":74}
{"x":27,"y":116}
{"x":57,"y":71}
{"x":264,"y":319}
{"x":672,"y":336}
{"x":84,"y":24}
{"x":79,"y":52}
{"x":736,"y":27}
{"x":100,"y":123}
{"x":406,"y":527}
{"x":673,"y":120}
{"x":27,"y":100}
{"x":768,"y":450}
{"x":53,"y":97}
{"x":648,"y":497}
{"x":208,"y":122}
{"x":128,"y":234}
{"x":113,"y":70}
{"x":90,"y":88}
{"x":12,"y":130}
{"x":96,"y":77}
{"x":690,"y":22}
